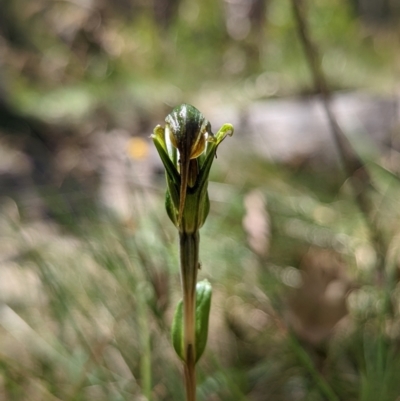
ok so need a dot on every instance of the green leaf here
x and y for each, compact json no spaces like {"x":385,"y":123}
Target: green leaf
{"x":177,"y":331}
{"x":203,"y":305}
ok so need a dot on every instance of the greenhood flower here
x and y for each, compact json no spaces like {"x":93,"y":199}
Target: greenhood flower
{"x":187,"y":148}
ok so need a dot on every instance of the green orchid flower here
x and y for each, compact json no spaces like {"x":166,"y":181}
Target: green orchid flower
{"x":187,"y":148}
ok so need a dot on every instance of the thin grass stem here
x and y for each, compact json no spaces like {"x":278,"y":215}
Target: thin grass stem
{"x":145,"y":362}
{"x":309,"y":365}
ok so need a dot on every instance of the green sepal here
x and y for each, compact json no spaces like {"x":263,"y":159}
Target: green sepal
{"x":203,"y":305}
{"x":196,"y":210}
{"x":208,"y":156}
{"x":161,"y":146}
{"x":171,"y":209}
{"x":205,"y":210}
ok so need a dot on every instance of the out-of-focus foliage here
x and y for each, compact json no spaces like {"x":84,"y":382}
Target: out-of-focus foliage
{"x":64,"y":58}
{"x":88,"y":265}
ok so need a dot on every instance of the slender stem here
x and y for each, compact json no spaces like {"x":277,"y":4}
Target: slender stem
{"x":190,"y":381}
{"x":189,"y":260}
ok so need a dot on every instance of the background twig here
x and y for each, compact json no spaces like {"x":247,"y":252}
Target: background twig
{"x":354,"y":168}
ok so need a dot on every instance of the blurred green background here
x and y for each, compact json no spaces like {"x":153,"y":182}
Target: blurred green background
{"x":306,"y":295}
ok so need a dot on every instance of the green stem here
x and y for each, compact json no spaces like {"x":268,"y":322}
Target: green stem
{"x":189,"y":261}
